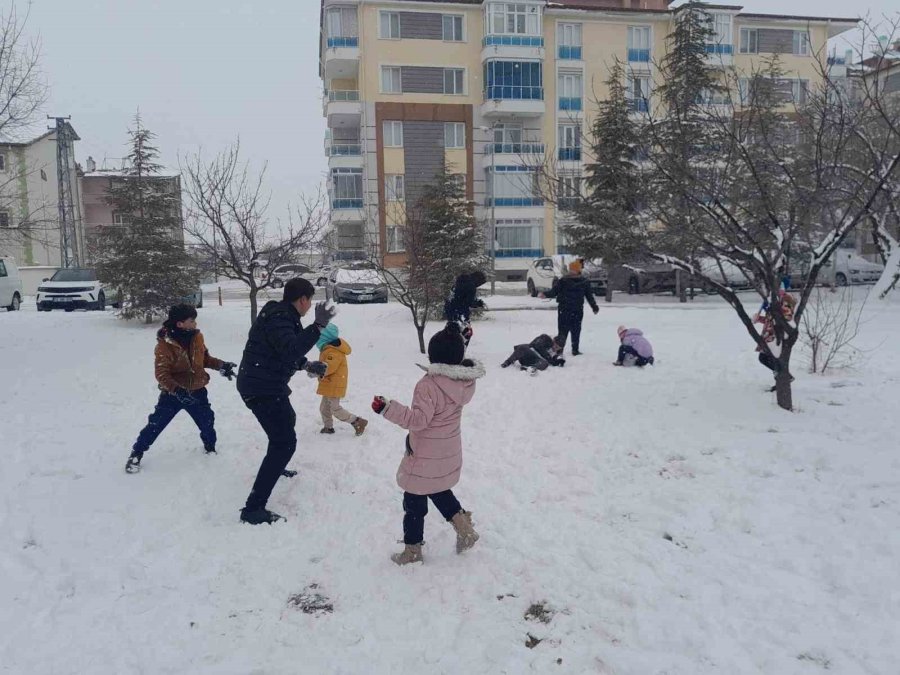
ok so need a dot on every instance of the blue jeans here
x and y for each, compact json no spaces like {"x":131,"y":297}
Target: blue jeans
{"x":167,"y":407}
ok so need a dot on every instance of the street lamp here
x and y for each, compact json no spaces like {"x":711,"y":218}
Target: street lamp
{"x":491,"y":142}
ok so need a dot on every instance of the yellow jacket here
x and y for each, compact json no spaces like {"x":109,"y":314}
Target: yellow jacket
{"x":334,"y":384}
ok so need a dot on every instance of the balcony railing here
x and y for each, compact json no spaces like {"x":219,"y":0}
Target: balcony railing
{"x":343,"y":41}
{"x":346,"y":150}
{"x":346,"y":203}
{"x":514,"y":201}
{"x":570,"y":154}
{"x":512,"y":41}
{"x":513,"y":92}
{"x":572,"y":103}
{"x":718,"y":48}
{"x":518,"y":252}
{"x":639,"y":56}
{"x":570,"y":52}
{"x":339,"y":95}
{"x":515,"y":148}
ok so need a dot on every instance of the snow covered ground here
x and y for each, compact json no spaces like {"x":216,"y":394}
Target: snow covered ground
{"x":671,"y":520}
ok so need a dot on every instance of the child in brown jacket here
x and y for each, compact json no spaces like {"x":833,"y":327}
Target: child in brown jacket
{"x":181,"y":360}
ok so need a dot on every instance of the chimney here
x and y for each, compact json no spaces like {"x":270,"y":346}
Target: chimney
{"x":90,"y":165}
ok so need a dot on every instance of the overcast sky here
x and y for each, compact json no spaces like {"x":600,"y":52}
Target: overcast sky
{"x":203,"y":72}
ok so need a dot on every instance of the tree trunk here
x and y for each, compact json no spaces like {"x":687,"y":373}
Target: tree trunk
{"x":783,"y":392}
{"x":420,"y":331}
{"x":253,"y":291}
{"x":679,"y":286}
{"x":608,"y":296}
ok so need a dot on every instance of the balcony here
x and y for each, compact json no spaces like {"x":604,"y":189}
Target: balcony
{"x":513,"y":100}
{"x":347,"y":211}
{"x":569,"y":154}
{"x":514,"y":149}
{"x":518,"y":252}
{"x":344,"y":154}
{"x":720,"y":54}
{"x":569,"y":53}
{"x":512,"y":47}
{"x":570,"y":103}
{"x":638,"y":56}
{"x":343,"y":108}
{"x":513,"y":201}
{"x":341,"y":57}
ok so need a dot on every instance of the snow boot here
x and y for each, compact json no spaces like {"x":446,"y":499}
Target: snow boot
{"x":210,"y":449}
{"x":411,"y":553}
{"x":466,"y":536}
{"x":617,"y":363}
{"x":326,"y":430}
{"x":133,"y":465}
{"x":576,"y":352}
{"x":359,"y":425}
{"x":259,"y":516}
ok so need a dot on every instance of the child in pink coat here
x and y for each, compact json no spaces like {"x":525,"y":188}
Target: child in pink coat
{"x":433,"y":460}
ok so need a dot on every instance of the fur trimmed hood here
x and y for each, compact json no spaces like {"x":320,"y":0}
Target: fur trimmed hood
{"x":468,"y":370}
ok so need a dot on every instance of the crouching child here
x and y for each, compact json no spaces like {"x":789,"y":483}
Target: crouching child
{"x":635,"y":349}
{"x":181,"y":360}
{"x":432,"y":462}
{"x":539,"y":354}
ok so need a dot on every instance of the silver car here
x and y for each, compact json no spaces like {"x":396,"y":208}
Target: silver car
{"x":356,"y":283}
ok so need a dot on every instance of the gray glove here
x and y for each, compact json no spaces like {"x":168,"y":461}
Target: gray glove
{"x":324,"y":314}
{"x":315,"y":368}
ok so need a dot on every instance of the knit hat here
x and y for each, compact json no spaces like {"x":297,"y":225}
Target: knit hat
{"x":621,"y":330}
{"x":180,"y":313}
{"x":575,"y":267}
{"x":447,"y":346}
{"x":326,"y":335}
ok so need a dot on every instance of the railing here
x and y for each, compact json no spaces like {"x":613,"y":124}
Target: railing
{"x":572,"y":103}
{"x":638,"y":105}
{"x":346,"y":203}
{"x":570,"y":154}
{"x":513,"y":93}
{"x":339,"y":95}
{"x":512,"y":41}
{"x":346,"y":149}
{"x":515,"y":148}
{"x":518,"y":252}
{"x":639,"y":56}
{"x":514,"y":201}
{"x":570,"y":52}
{"x":343,"y":42}
{"x":720,"y":49}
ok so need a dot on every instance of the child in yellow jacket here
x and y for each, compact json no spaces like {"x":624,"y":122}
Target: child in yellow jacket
{"x":333,"y":385}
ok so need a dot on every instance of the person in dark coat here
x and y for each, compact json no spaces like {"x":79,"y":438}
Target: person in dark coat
{"x":570,"y":292}
{"x":276,"y":349}
{"x":539,"y":354}
{"x":462,"y":299}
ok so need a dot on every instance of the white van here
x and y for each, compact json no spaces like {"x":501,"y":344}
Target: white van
{"x":10,"y":285}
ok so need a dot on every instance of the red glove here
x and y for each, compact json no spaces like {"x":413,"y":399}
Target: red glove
{"x":468,"y":333}
{"x":379,"y":403}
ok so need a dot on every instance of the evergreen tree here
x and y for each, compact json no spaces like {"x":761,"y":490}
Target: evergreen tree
{"x":145,"y":259}
{"x":606,"y":216}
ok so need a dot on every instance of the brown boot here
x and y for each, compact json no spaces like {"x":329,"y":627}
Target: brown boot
{"x":411,"y":553}
{"x":359,"y":425}
{"x":466,"y":536}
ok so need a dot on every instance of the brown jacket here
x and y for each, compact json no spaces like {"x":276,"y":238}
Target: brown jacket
{"x":177,"y":367}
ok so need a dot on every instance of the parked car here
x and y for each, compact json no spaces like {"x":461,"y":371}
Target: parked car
{"x":643,"y":276}
{"x":546,"y":271}
{"x":723,"y":272}
{"x":845,"y":267}
{"x":10,"y":285}
{"x":284,"y":273}
{"x":74,"y":288}
{"x":356,"y":283}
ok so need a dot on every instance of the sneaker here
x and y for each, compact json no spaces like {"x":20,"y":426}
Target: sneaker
{"x":259,"y":516}
{"x":210,"y":449}
{"x":359,"y":425}
{"x":326,"y":430}
{"x":133,"y":465}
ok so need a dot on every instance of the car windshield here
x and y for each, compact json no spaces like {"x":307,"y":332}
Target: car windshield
{"x":358,"y":276}
{"x":74,"y":275}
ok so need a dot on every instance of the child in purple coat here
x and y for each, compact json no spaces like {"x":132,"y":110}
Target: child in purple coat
{"x":433,"y":460}
{"x":635,"y":348}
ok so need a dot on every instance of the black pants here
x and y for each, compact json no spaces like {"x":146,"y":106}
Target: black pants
{"x":167,"y":407}
{"x":277,"y":418}
{"x":527,"y":357}
{"x":416,"y":506}
{"x":570,"y":322}
{"x":770,"y":362}
{"x":628,"y":350}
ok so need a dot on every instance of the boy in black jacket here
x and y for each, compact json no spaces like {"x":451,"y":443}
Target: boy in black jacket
{"x":570,"y":292}
{"x":539,"y":354}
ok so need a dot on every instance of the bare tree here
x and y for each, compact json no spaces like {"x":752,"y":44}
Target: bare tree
{"x":830,"y":325}
{"x":227,"y":216}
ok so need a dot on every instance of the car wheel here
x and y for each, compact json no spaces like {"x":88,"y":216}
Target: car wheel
{"x":532,"y":291}
{"x":634,"y":286}
{"x":16,"y":303}
{"x":840,"y":279}
{"x":321,"y":281}
{"x":101,"y":302}
{"x":278,"y":283}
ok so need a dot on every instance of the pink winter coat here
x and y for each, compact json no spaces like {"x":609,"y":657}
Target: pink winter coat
{"x":433,"y":460}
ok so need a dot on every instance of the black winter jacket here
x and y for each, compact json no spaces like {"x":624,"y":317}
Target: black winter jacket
{"x":464,"y":296}
{"x":571,"y":292}
{"x":276,"y":348}
{"x":542,"y":344}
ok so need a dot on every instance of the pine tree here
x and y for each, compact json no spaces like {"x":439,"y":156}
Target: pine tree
{"x":145,"y":259}
{"x":606,"y":216}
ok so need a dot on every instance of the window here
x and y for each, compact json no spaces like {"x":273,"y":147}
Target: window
{"x":569,"y":91}
{"x":395,"y":242}
{"x":715,"y":96}
{"x":801,"y":43}
{"x":513,"y":186}
{"x":459,"y":181}
{"x":570,"y":142}
{"x":749,"y":41}
{"x":720,"y":24}
{"x":454,"y":135}
{"x":638,"y":93}
{"x":393,"y":134}
{"x":347,"y":188}
{"x":744,"y":90}
{"x":395,"y":187}
{"x":389,"y":28}
{"x":516,"y":18}
{"x":639,"y":44}
{"x":454,"y":80}
{"x":119,"y":218}
{"x":514,"y":80}
{"x":799,"y":91}
{"x":2,"y":162}
{"x":4,"y":219}
{"x":570,"y":41}
{"x":453,"y":28}
{"x":341,"y":27}
{"x":569,"y":190}
{"x":519,"y":237}
{"x":508,"y":134}
{"x":3,"y":272}
{"x":391,"y":80}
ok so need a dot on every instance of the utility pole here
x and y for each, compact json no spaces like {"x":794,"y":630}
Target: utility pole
{"x":492,"y":145}
{"x":65,"y":165}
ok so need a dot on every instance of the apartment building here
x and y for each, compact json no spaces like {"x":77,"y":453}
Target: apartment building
{"x":491,"y":89}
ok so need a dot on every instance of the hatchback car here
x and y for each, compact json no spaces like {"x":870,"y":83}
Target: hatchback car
{"x":74,"y":288}
{"x":10,"y":285}
{"x":357,"y":283}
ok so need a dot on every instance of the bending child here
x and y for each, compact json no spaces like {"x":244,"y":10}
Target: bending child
{"x":635,"y":349}
{"x":539,"y":354}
